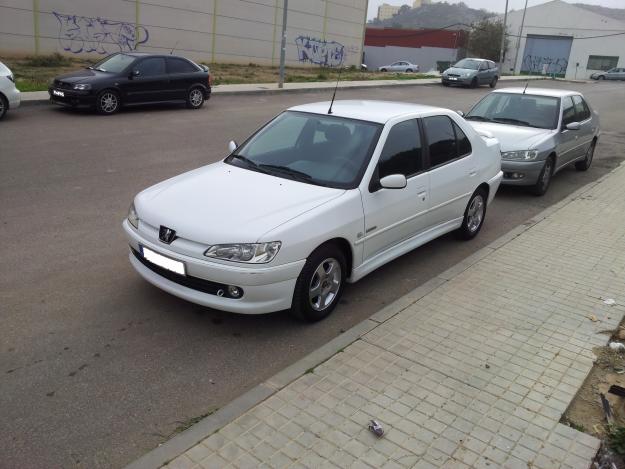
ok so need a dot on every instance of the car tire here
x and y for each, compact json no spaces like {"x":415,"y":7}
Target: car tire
{"x":587,"y":161}
{"x":323,"y":273}
{"x":408,"y":70}
{"x":601,"y":77}
{"x":474,"y":215}
{"x":383,"y":70}
{"x":474,"y":83}
{"x":195,"y":98}
{"x":444,"y":83}
{"x":4,"y":106}
{"x":108,"y":102}
{"x":544,"y":178}
{"x":493,"y":83}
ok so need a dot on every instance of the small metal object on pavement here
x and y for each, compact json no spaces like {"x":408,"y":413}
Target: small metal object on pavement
{"x":376,"y":428}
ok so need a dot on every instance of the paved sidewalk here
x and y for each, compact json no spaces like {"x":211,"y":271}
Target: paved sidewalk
{"x":476,"y":373}
{"x":266,"y":88}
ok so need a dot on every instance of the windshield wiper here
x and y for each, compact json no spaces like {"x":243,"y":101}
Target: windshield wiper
{"x":249,"y":163}
{"x":512,"y":121}
{"x":478,"y":118}
{"x":286,"y":170}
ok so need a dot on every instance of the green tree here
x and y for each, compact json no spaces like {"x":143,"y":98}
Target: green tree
{"x":485,"y":39}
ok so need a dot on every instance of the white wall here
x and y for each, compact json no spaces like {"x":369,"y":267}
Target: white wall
{"x":557,"y":18}
{"x":425,"y":57}
{"x":239,"y":31}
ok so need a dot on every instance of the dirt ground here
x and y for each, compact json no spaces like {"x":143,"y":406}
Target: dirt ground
{"x":586,"y":412}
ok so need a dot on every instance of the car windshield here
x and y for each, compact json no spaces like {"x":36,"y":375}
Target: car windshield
{"x":517,"y":109}
{"x":311,"y":148}
{"x":468,"y":64}
{"x":114,"y":63}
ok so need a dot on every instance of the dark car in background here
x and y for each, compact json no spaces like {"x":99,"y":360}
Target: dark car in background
{"x":471,"y":72}
{"x":126,"y":79}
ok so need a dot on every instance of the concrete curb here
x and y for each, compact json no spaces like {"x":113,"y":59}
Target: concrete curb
{"x":206,"y":427}
{"x":319,"y":86}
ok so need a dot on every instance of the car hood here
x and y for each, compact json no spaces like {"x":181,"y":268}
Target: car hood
{"x":458,"y":71}
{"x":221,"y":203}
{"x":513,"y":137}
{"x":80,"y":76}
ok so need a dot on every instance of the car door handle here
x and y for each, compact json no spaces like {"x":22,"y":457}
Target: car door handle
{"x":473,"y":172}
{"x":422,"y":195}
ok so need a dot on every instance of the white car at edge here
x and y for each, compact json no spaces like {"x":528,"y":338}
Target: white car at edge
{"x":9,"y":94}
{"x":311,"y":201}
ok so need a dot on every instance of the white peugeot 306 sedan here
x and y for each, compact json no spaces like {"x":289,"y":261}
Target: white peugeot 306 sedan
{"x":316,"y":198}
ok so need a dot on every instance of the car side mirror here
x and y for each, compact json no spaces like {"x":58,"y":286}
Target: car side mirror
{"x":460,"y":113}
{"x":232,"y":145}
{"x":135,"y":73}
{"x":573,"y":126}
{"x":393,"y":181}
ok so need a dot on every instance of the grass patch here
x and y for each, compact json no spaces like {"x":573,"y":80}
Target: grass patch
{"x":34,"y":73}
{"x":49,"y":60}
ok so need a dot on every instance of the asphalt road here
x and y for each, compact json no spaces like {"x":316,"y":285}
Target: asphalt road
{"x":97,"y":366}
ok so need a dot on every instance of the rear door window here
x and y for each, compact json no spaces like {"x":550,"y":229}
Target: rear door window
{"x":176,"y":65}
{"x":441,"y":137}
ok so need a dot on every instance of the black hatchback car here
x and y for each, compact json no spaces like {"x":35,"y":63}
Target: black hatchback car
{"x":126,"y":79}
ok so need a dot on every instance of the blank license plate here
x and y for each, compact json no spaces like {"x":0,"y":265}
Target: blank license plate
{"x":162,"y":261}
{"x":58,"y":93}
{"x":453,"y":78}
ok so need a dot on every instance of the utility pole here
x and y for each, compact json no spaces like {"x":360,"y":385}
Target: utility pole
{"x":518,"y":42}
{"x":503,"y":38}
{"x":283,"y":46}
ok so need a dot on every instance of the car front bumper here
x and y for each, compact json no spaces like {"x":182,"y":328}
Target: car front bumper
{"x":72,"y":98}
{"x":14,"y":96}
{"x":457,"y":81}
{"x":521,"y":173}
{"x":265,"y":289}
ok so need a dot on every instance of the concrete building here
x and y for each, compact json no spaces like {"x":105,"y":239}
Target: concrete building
{"x":320,"y":32}
{"x":561,"y":39}
{"x":431,"y":49}
{"x":386,"y":11}
{"x":420,"y":3}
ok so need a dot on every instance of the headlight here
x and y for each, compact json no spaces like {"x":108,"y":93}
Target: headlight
{"x":254,"y":253}
{"x":82,"y":86}
{"x":524,"y":155}
{"x":133,"y":218}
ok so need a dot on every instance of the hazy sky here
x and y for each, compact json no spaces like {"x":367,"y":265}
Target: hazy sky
{"x":493,"y":5}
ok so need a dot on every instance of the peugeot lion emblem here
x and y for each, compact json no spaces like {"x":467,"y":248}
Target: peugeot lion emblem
{"x":166,"y":235}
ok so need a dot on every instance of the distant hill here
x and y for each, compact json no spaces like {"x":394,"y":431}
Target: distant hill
{"x":435,"y":15}
{"x":616,"y":13}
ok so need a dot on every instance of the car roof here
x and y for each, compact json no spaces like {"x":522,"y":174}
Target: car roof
{"x":538,"y":91}
{"x":366,"y":110}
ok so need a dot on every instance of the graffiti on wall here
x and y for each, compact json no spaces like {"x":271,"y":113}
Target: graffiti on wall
{"x":85,"y":34}
{"x":320,"y":52}
{"x":535,"y":64}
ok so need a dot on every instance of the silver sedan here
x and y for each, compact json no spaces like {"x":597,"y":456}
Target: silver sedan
{"x":540,"y":132}
{"x":401,"y":66}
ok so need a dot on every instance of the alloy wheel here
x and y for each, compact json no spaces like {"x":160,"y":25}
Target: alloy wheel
{"x":108,"y":102}
{"x":195,"y":97}
{"x":325,"y":284}
{"x":546,"y":174}
{"x":475,"y":214}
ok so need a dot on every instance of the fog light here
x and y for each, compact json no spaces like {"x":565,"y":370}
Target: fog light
{"x":514,"y":175}
{"x":234,"y":292}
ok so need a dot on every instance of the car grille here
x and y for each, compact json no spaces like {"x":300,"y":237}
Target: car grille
{"x":452,"y":75}
{"x":195,"y":283}
{"x":62,"y":85}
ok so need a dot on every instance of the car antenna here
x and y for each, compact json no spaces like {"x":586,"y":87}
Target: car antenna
{"x":334,"y":95}
{"x":526,"y":84}
{"x":175,"y":45}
